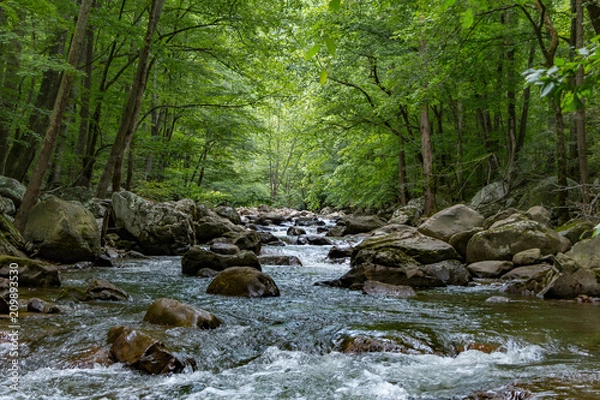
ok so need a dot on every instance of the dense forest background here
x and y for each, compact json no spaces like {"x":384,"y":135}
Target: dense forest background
{"x":301,"y":103}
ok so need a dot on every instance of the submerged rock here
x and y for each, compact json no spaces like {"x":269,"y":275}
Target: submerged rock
{"x":243,"y":282}
{"x":171,"y":312}
{"x":63,"y":231}
{"x":385,"y":289}
{"x":141,"y":351}
{"x":280,"y":260}
{"x":40,"y":306}
{"x":100,"y":289}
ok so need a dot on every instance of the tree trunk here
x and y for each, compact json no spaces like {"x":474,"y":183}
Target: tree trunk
{"x":561,"y":159}
{"x":41,"y":167}
{"x":594,"y":12}
{"x":24,"y":149}
{"x":131,"y":110}
{"x":580,"y":113}
{"x":427,"y":152}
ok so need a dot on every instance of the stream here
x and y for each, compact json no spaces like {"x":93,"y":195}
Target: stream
{"x":289,"y":347}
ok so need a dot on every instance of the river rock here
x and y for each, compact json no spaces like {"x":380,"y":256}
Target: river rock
{"x":385,"y":289}
{"x":576,"y":230}
{"x":406,"y":275}
{"x":314,"y":240}
{"x":230,"y":213}
{"x":451,"y":272}
{"x":249,"y":240}
{"x":171,"y":312}
{"x":32,"y":273}
{"x":460,"y":240}
{"x":361,"y":224}
{"x":12,"y":189}
{"x":487,"y":200}
{"x":7,"y":207}
{"x":243,"y":282}
{"x":540,"y":214}
{"x":158,"y":228}
{"x":295,"y":231}
{"x":198,"y":258}
{"x":587,"y":253}
{"x":280,"y":260}
{"x":140,"y":351}
{"x":340,"y":251}
{"x":224,"y":248}
{"x":209,"y":225}
{"x":444,"y":224}
{"x":62,"y":231}
{"x":504,"y":215}
{"x":506,"y":238}
{"x":424,"y":249}
{"x":11,"y":240}
{"x":497,"y":300}
{"x":527,"y":272}
{"x":527,"y":257}
{"x":268,"y":239}
{"x":568,"y":280}
{"x":489,"y":269}
{"x":100,"y":289}
{"x":40,"y":306}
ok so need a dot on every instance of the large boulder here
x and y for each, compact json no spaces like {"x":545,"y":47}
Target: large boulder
{"x":209,"y":225}
{"x":280,"y":260}
{"x":587,"y":253}
{"x":171,"y":312}
{"x":422,"y":248}
{"x":141,"y":351}
{"x":361,"y":224}
{"x":487,"y":200}
{"x":451,"y":272}
{"x":31,"y":273}
{"x":568,"y":280}
{"x":101,"y":289}
{"x":446,"y":223}
{"x":62,"y":231}
{"x":506,"y":238}
{"x":249,"y":240}
{"x":197,"y":259}
{"x":230,"y":213}
{"x":12,"y":189}
{"x":11,"y":240}
{"x":489,"y":269}
{"x":158,"y":228}
{"x":576,"y":230}
{"x":544,"y":193}
{"x":404,"y":275}
{"x":243,"y":282}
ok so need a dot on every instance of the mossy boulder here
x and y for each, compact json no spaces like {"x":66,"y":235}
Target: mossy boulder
{"x":506,"y":238}
{"x":11,"y":240}
{"x":32,"y":273}
{"x":62,"y":231}
{"x":171,"y":312}
{"x":450,"y":221}
{"x":587,"y":253}
{"x":243,"y":282}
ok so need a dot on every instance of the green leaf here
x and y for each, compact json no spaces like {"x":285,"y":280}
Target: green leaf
{"x":468,"y":18}
{"x":330,"y":46}
{"x":448,"y":4}
{"x":334,"y":5}
{"x":323,"y":77}
{"x":312,"y":52}
{"x":559,"y":62}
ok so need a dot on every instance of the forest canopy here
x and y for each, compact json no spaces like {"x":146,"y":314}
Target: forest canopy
{"x":347,"y":104}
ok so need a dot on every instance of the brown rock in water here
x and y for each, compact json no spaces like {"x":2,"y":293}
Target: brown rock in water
{"x":41,"y":306}
{"x":243,"y":282}
{"x":100,"y":289}
{"x":32,"y":273}
{"x":280,"y":260}
{"x":171,"y":312}
{"x":489,"y":269}
{"x":142,"y":352}
{"x":196,"y":259}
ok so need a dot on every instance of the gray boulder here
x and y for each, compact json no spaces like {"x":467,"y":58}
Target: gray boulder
{"x":527,"y":257}
{"x":407,"y":275}
{"x":280,"y":260}
{"x":101,"y":289}
{"x":171,"y":312}
{"x":424,"y":249}
{"x":158,"y":228}
{"x":568,"y":280}
{"x":243,"y":282}
{"x":451,"y":272}
{"x":62,"y":231}
{"x":197,"y":258}
{"x":587,"y":253}
{"x":487,"y":200}
{"x":361,"y":224}
{"x":576,"y":230}
{"x":489,"y":269}
{"x":540,"y":214}
{"x":506,"y":238}
{"x":535,"y":271}
{"x":230,"y":213}
{"x":450,"y":221}
{"x":7,"y":206}
{"x":12,"y":189}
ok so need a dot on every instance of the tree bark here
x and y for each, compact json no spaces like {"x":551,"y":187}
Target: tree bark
{"x":131,"y":110}
{"x":580,"y":113}
{"x":41,"y":167}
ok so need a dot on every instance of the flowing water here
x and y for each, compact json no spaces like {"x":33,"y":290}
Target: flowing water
{"x":288,"y":347}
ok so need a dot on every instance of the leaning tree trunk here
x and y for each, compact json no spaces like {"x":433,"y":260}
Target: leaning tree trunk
{"x":43,"y":162}
{"x":131,"y":111}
